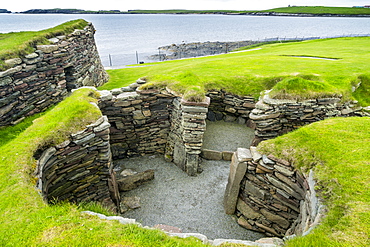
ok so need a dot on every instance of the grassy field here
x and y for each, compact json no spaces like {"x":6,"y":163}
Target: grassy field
{"x":20,"y":43}
{"x":339,"y":152}
{"x":318,"y":10}
{"x":298,"y":69}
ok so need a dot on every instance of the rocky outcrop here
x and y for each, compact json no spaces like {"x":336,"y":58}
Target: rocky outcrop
{"x":79,"y":169}
{"x":269,"y":195}
{"x":43,"y":78}
{"x":197,"y":49}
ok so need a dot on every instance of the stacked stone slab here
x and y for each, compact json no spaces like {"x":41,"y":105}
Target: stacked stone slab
{"x":229,"y":107}
{"x":271,"y":196}
{"x":79,"y":169}
{"x":43,"y":78}
{"x":274,"y":117}
{"x":140,"y":121}
{"x":188,"y":124}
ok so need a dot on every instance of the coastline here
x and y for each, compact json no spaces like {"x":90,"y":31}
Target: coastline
{"x":271,"y":12}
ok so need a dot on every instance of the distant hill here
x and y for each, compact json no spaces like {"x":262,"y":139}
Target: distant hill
{"x":4,"y":11}
{"x":70,"y":11}
{"x":356,"y":11}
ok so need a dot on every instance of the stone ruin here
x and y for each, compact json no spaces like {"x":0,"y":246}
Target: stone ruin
{"x":265,"y":193}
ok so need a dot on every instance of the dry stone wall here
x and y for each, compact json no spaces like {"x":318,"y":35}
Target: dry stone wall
{"x":79,"y":169}
{"x":140,"y":121}
{"x":269,"y":195}
{"x":274,"y":117}
{"x":229,"y":107}
{"x":43,"y":78}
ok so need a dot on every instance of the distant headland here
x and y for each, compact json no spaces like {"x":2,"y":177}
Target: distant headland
{"x":295,"y":11}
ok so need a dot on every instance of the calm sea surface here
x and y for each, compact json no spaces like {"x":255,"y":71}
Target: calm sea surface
{"x":122,"y":36}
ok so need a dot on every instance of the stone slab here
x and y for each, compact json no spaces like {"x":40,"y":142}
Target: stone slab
{"x":237,"y":172}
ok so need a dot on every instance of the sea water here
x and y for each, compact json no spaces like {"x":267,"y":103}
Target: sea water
{"x":127,"y":38}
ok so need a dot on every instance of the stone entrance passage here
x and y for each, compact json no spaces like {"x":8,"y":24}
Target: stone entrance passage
{"x":227,"y":136}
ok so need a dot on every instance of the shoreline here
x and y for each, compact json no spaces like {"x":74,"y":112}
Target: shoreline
{"x":144,"y":12}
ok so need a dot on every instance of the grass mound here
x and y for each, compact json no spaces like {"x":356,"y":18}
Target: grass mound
{"x":280,"y":67}
{"x":320,"y":10}
{"x":27,"y":221}
{"x":339,"y":152}
{"x":16,"y":44}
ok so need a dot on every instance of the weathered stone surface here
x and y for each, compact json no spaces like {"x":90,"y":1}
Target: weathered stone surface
{"x":119,"y":218}
{"x":247,"y":210}
{"x":13,"y":61}
{"x":256,"y":156}
{"x":254,"y":190}
{"x":133,"y":181}
{"x":47,"y":48}
{"x":166,"y":228}
{"x":227,"y":155}
{"x":244,"y":223}
{"x":237,"y":172}
{"x":211,"y":154}
{"x":4,"y":81}
{"x":244,"y":154}
{"x":131,"y":202}
{"x":274,"y":241}
{"x":275,"y":218}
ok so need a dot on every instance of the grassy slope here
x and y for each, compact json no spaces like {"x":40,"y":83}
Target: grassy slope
{"x":338,"y":149}
{"x":294,"y":10}
{"x":27,"y":221}
{"x":20,"y":43}
{"x":250,"y":72}
{"x":321,"y":10}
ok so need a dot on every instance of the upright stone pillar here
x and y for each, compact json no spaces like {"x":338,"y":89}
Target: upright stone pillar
{"x":186,"y":136}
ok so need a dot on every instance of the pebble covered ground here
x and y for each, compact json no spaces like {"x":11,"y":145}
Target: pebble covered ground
{"x":193,"y":204}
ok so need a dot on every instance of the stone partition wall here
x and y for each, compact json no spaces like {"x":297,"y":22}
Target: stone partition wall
{"x":274,"y":117}
{"x":152,"y":121}
{"x":79,"y":169}
{"x":43,"y":78}
{"x":269,"y":195}
{"x":188,"y":124}
{"x":229,"y":107}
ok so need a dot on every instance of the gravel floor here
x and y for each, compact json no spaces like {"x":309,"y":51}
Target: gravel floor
{"x":193,"y":204}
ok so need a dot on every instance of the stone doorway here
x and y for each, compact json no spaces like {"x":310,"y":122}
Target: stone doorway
{"x":227,"y":136}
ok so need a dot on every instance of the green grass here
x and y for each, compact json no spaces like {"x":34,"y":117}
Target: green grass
{"x":16,"y":44}
{"x":273,"y":66}
{"x":339,"y":152}
{"x":318,"y":10}
{"x":321,"y":10}
{"x":9,"y":133}
{"x":183,"y":11}
{"x":28,"y":221}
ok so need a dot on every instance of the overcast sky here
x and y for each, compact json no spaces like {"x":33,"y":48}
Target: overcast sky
{"x":124,"y":5}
